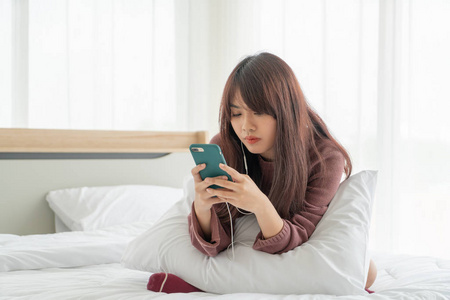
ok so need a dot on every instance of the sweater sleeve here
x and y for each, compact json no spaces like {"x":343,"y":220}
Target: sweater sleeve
{"x":220,"y":234}
{"x":319,"y":193}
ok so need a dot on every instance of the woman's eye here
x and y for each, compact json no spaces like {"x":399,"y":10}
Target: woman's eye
{"x":258,"y":113}
{"x":235,"y":115}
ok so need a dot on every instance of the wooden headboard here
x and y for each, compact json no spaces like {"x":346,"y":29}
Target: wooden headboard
{"x":36,"y":161}
{"x":94,"y":141}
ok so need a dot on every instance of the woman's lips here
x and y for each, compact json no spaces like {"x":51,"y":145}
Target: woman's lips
{"x":252,"y":139}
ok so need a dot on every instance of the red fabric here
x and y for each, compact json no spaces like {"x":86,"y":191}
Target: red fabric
{"x":369,"y":291}
{"x":171,"y":284}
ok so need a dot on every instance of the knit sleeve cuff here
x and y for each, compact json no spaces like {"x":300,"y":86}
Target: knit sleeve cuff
{"x":274,"y":244}
{"x":219,"y":238}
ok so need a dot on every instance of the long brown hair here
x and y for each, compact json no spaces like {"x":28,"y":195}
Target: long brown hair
{"x":268,"y":85}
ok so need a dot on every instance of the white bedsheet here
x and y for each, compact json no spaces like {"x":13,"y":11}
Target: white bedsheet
{"x":85,"y":265}
{"x":67,"y":249}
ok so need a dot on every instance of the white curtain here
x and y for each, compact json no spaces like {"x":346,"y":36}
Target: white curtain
{"x":377,"y":71}
{"x":104,"y":64}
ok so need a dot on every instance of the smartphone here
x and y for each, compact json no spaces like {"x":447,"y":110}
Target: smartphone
{"x":212,"y":156}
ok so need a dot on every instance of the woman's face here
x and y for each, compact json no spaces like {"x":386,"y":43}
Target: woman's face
{"x":256,"y":130}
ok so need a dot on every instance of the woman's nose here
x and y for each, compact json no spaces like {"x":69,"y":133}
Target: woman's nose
{"x":248,"y":124}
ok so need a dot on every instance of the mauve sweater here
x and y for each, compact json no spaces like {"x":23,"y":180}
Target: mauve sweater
{"x":296,"y":230}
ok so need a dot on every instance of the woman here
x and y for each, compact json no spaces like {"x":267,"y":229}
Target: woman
{"x":285,"y":165}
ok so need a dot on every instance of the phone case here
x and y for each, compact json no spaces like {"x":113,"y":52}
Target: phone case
{"x":212,"y":156}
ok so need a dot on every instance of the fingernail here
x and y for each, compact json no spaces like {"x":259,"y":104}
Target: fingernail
{"x":208,"y":190}
{"x":221,"y":165}
{"x":224,"y":177}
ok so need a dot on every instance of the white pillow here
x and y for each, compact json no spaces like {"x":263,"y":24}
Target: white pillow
{"x":333,"y":261}
{"x":60,"y":226}
{"x":90,"y":208}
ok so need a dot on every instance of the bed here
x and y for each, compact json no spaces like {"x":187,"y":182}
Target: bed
{"x":54,"y":244}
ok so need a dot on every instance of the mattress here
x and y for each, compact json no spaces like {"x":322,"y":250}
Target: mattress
{"x":86,"y":265}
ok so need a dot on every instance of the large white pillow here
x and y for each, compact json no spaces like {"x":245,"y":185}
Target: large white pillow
{"x":333,"y":261}
{"x":90,"y":208}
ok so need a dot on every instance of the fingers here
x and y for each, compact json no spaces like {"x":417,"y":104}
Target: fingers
{"x":221,"y":181}
{"x":200,"y":187}
{"x":223,"y":194}
{"x":196,"y":172}
{"x":232,"y":172}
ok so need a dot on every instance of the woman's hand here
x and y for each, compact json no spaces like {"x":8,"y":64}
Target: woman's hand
{"x":245,"y":194}
{"x":242,"y":192}
{"x":203,"y":200}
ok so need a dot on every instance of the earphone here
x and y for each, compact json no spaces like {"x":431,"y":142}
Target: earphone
{"x":245,"y":158}
{"x":228,"y":207}
{"x":246,"y":172}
